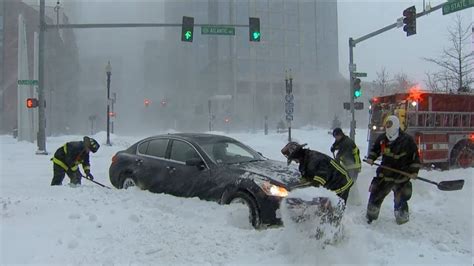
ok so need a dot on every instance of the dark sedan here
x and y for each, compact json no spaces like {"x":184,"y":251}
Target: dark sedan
{"x":210,"y":167}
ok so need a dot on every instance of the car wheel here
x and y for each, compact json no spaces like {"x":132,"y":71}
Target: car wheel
{"x":128,"y":182}
{"x":247,"y":200}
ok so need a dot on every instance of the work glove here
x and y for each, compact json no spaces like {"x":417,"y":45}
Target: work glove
{"x":90,"y":176}
{"x":369,"y":161}
{"x":413,"y":175}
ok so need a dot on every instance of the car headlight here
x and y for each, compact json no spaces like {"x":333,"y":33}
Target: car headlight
{"x":272,"y":190}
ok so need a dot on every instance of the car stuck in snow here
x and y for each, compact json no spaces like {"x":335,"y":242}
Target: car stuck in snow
{"x":207,"y":166}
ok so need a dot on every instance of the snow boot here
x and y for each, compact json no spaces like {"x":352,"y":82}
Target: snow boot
{"x":401,"y":216}
{"x":372,"y":213}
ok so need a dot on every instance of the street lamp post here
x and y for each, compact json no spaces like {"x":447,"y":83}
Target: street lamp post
{"x":108,"y":70}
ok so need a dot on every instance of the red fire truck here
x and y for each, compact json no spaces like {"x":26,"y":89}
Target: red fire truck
{"x":442,"y":124}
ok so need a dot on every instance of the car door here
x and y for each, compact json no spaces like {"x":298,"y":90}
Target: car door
{"x":187,"y":181}
{"x":151,"y":171}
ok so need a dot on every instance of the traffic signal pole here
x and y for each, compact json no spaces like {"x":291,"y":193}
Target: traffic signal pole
{"x":352,"y":66}
{"x":41,"y":137}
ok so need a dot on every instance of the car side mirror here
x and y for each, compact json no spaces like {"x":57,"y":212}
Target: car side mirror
{"x":197,"y":162}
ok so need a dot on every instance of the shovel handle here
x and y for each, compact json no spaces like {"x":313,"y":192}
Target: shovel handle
{"x":392,"y":169}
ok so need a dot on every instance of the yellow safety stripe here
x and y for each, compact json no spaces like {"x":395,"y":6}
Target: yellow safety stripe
{"x":415,"y":165}
{"x":348,"y":179}
{"x":320,"y":180}
{"x":87,"y":167}
{"x":60,"y":163}
{"x":65,"y":148}
{"x":338,"y":167}
{"x":74,"y":168}
{"x":345,"y":187}
{"x":355,"y":152}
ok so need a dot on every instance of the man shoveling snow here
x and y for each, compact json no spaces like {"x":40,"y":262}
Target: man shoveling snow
{"x":309,"y":209}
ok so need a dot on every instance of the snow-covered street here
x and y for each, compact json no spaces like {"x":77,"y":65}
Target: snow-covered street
{"x":40,"y":224}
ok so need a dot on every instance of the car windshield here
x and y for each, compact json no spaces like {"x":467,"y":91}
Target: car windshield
{"x":226,"y":151}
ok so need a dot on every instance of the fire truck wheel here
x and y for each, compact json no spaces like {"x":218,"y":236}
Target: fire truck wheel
{"x":462,"y":155}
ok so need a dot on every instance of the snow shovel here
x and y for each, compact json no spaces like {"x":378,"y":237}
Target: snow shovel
{"x":443,"y":185}
{"x":102,"y":185}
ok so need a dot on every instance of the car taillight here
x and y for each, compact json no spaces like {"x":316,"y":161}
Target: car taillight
{"x":114,"y":158}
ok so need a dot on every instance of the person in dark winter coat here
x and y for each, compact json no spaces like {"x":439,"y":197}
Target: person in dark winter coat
{"x":399,"y":151}
{"x":67,"y":158}
{"x":348,"y":156}
{"x":347,"y":153}
{"x":319,"y":169}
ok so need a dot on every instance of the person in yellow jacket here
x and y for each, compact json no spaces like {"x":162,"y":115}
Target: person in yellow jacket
{"x":67,"y":159}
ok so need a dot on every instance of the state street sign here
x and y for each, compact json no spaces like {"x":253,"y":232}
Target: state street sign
{"x":217,"y":30}
{"x":456,"y":5}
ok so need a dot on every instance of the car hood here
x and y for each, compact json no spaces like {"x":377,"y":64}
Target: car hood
{"x":278,"y":172}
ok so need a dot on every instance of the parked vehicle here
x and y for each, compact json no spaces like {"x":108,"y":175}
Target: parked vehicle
{"x":211,"y":167}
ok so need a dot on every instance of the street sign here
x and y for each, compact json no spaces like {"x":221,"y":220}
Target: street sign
{"x":360,"y":74}
{"x":357,"y":106}
{"x":347,"y":106}
{"x":27,"y":82}
{"x":456,"y":5}
{"x":217,"y":30}
{"x":289,"y":117}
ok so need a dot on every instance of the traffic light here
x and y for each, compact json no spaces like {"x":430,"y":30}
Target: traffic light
{"x":146,"y":102}
{"x":254,"y":29}
{"x":163,"y":103}
{"x":409,"y":19}
{"x":357,"y":88}
{"x":31,"y":103}
{"x":187,"y":29}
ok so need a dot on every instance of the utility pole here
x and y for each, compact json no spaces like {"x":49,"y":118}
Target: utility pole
{"x":352,"y":66}
{"x":41,"y":138}
{"x":108,"y":70}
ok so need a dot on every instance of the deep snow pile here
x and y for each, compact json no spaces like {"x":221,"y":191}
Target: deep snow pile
{"x":40,"y":224}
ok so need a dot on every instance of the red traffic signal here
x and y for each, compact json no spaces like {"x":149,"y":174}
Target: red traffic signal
{"x":31,"y":103}
{"x":146,"y":102}
{"x":226,"y":120}
{"x":112,"y":114}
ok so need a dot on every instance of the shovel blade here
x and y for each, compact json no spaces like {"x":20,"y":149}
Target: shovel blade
{"x":451,"y":185}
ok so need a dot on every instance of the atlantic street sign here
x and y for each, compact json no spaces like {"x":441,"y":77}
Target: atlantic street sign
{"x":217,"y":30}
{"x":27,"y":82}
{"x":456,"y":5}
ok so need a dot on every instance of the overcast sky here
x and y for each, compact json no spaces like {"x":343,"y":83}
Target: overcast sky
{"x":392,"y":49}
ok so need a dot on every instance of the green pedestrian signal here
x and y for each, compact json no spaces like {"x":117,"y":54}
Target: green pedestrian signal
{"x":254,"y":29}
{"x":188,"y":35}
{"x":187,"y":29}
{"x":357,"y":88}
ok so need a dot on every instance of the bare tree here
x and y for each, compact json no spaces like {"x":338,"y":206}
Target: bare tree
{"x":402,"y":82}
{"x":457,"y":61}
{"x":382,"y":81}
{"x":432,"y":81}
